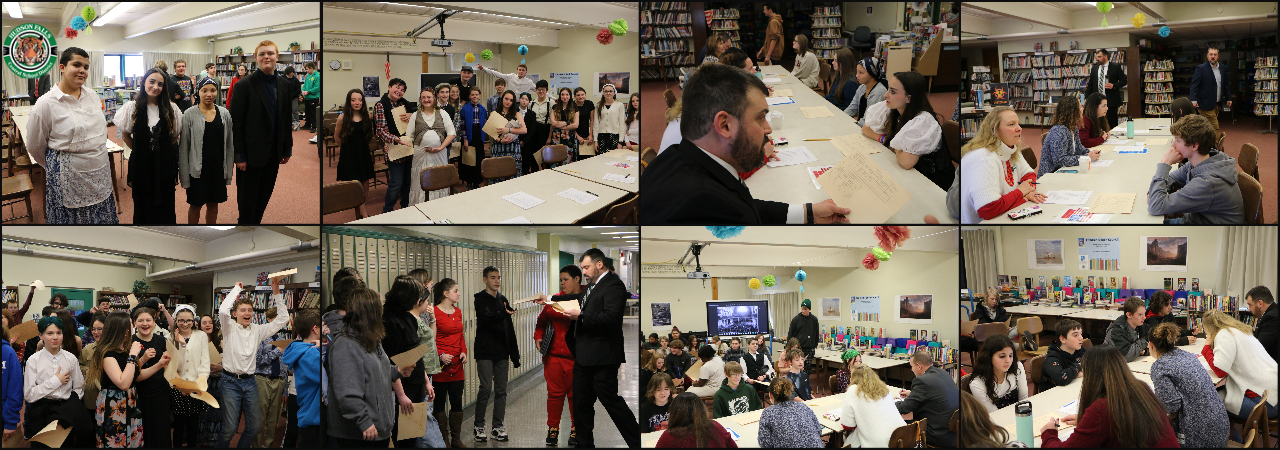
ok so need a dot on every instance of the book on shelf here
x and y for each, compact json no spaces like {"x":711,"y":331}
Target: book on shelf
{"x":667,"y":18}
{"x":1016,"y":62}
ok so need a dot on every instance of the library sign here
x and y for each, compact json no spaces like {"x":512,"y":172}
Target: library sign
{"x":30,"y":50}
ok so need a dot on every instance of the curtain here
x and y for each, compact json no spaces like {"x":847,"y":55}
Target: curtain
{"x":782,"y":307}
{"x":979,"y":259}
{"x":1248,"y":259}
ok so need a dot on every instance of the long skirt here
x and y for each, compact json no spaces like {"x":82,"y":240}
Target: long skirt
{"x":103,"y":212}
{"x":606,"y":142}
{"x":511,"y":149}
{"x":210,"y":421}
{"x":119,"y":419}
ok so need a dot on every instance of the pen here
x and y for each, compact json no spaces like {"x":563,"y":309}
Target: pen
{"x":572,"y":171}
{"x":592,"y":193}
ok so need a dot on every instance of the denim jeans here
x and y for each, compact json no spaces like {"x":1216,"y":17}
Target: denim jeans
{"x":398,"y":179}
{"x":239,"y":396}
{"x":433,"y":438}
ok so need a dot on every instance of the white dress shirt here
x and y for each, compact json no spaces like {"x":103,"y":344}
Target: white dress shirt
{"x":1217,"y":78}
{"x":515,"y":82}
{"x":40,"y":379}
{"x":77,"y":129}
{"x":240,"y":343}
{"x":795,"y":212}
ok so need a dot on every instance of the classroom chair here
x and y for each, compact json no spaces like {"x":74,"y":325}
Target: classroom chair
{"x":1257,"y":421}
{"x":623,"y":213}
{"x":440,"y":177}
{"x":862,"y":40}
{"x":670,"y":97}
{"x":1222,"y":138}
{"x":824,"y":76}
{"x":18,"y":189}
{"x":909,"y":436}
{"x":951,"y":133}
{"x":1251,"y":193}
{"x":1034,"y":368}
{"x":330,"y":146}
{"x":375,"y":147}
{"x":341,"y":196}
{"x":1034,"y":325}
{"x":1248,"y":441}
{"x":646,"y":157}
{"x":554,"y":154}
{"x":1030,"y":157}
{"x":983,"y":331}
{"x":831,"y":385}
{"x":1248,"y":160}
{"x":500,"y":167}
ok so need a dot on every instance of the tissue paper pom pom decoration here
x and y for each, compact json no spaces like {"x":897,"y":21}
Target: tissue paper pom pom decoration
{"x":79,"y":23}
{"x":523,"y":49}
{"x":725,"y":232}
{"x":890,"y":237}
{"x":618,"y":27}
{"x":604,"y":36}
{"x":1164,"y":31}
{"x":1138,"y":19}
{"x":486,"y":54}
{"x":521,"y":60}
{"x":880,"y":254}
{"x":870,"y":262}
{"x":70,"y":33}
{"x":88,"y":13}
{"x":1104,"y":7}
{"x":800,"y":275}
{"x":753,"y":283}
{"x":469,"y":58}
{"x":769,"y":281}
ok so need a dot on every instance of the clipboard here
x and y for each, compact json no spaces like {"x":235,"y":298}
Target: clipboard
{"x":411,"y":356}
{"x":496,"y":122}
{"x":414,"y":424}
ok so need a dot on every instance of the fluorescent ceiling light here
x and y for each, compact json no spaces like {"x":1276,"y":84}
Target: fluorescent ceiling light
{"x":633,"y":241}
{"x":220,"y":228}
{"x":15,"y":11}
{"x":120,"y":8}
{"x":211,"y":15}
{"x":622,"y":232}
{"x":603,"y":226}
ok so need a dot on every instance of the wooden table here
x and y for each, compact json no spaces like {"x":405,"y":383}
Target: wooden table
{"x":485,"y":205}
{"x":792,"y":184}
{"x":21,"y":116}
{"x":593,"y":168}
{"x":1143,"y":364}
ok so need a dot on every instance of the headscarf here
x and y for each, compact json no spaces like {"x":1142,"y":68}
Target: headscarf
{"x":206,"y":80}
{"x":875,"y":68}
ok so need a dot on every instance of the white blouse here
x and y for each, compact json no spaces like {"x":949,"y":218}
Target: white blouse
{"x":613,"y":119}
{"x":124,"y":117}
{"x":633,"y":131}
{"x":983,"y":180}
{"x":430,"y":139}
{"x":40,"y":379}
{"x":920,"y":136}
{"x":978,"y":387}
{"x":192,"y":361}
{"x":77,"y":129}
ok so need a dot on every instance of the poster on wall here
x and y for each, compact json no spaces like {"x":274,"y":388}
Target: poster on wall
{"x":1163,"y":254}
{"x":865,"y":308}
{"x":1044,"y":254}
{"x":661,"y":313}
{"x":371,"y":87}
{"x":831,"y":308}
{"x":563,"y":79}
{"x":914,"y":309}
{"x":1099,"y":253}
{"x":621,"y":82}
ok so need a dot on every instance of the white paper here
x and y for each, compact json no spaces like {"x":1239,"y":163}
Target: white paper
{"x":817,"y":170}
{"x":523,"y":199}
{"x":1070,"y":408}
{"x":792,"y":156}
{"x":38,"y":285}
{"x":633,"y":158}
{"x":772,"y":80}
{"x":1141,"y":131}
{"x":577,"y":196}
{"x":1068,"y":197}
{"x":619,"y":164}
{"x":620,"y":178}
{"x":1114,"y":141}
{"x":772,"y":101}
{"x":516,"y":219}
{"x":1130,"y":149}
{"x":1102,"y":163}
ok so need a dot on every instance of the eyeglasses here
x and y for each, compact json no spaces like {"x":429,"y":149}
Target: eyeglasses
{"x":185,"y":320}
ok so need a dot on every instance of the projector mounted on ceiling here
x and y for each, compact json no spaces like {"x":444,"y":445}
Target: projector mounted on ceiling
{"x":439,"y":19}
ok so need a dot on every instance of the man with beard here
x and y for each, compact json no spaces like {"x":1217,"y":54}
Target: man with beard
{"x":725,"y":133}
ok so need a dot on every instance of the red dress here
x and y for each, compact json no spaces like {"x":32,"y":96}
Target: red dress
{"x":449,"y":341}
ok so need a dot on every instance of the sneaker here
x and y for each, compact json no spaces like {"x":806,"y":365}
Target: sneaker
{"x":1029,"y":341}
{"x":500,"y":434}
{"x":313,"y":139}
{"x":553,"y":436}
{"x":480,"y":436}
{"x":573,"y":437}
{"x":295,"y":126}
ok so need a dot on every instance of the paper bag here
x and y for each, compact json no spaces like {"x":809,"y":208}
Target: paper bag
{"x":413,"y":425}
{"x":495,"y":125}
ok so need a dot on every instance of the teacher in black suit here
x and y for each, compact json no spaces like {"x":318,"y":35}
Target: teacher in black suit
{"x":1107,"y":78}
{"x":595,"y":338}
{"x":262,"y":133}
{"x":1209,"y":88}
{"x":725,"y":133}
{"x":934,"y":396}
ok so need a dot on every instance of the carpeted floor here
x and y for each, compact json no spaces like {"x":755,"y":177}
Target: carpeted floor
{"x":296,"y":198}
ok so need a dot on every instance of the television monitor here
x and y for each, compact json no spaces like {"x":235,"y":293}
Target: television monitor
{"x":738,"y":318}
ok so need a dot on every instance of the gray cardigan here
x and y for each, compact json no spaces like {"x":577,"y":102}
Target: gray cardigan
{"x":360,"y":391}
{"x":190,"y":145}
{"x":877,"y":96}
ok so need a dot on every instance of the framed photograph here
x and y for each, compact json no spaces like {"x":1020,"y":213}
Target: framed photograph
{"x":661,"y":313}
{"x":371,"y":87}
{"x":1044,"y":254}
{"x":1195,"y":284}
{"x":1163,"y":254}
{"x":917,"y":309}
{"x":621,"y":82}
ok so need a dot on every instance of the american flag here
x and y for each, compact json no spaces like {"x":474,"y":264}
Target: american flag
{"x":388,"y":66}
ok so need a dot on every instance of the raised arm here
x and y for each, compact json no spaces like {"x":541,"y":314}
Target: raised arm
{"x":224,"y":309}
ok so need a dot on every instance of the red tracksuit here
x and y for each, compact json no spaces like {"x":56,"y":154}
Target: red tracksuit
{"x":557,"y":365}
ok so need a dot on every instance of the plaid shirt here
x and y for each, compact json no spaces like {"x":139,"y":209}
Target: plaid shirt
{"x":268,"y":359}
{"x":492,"y":103}
{"x":380,"y":124}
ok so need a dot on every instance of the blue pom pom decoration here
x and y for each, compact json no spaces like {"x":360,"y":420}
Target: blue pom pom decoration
{"x":1164,"y":31}
{"x":800,"y":275}
{"x":524,"y":49}
{"x":78,"y":23}
{"x":521,"y":60}
{"x":725,"y":232}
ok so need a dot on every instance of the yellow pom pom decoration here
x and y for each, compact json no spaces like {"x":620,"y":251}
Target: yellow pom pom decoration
{"x":470,"y":58}
{"x":754,"y":283}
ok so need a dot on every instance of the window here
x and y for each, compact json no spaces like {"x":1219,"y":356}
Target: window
{"x":121,"y":66}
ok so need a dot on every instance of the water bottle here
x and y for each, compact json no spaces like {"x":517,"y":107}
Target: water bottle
{"x":1024,"y":423}
{"x":1128,"y":129}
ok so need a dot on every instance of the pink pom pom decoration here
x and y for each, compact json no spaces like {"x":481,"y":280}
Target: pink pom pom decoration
{"x":890,"y":237}
{"x":604,"y":36}
{"x":71,"y":33}
{"x":870,"y":262}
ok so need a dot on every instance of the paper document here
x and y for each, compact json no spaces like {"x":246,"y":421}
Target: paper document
{"x":1130,"y":149}
{"x":1157,"y":141}
{"x":772,"y":101}
{"x":1115,"y":141}
{"x":516,"y":219}
{"x":633,"y":158}
{"x":523,"y":199}
{"x":282,"y":273}
{"x":781,"y":93}
{"x":566,"y":305}
{"x":858,"y":183}
{"x":815,"y":172}
{"x":411,"y":356}
{"x":813,"y":112}
{"x":792,"y":156}
{"x":413,"y":425}
{"x":850,"y":143}
{"x":1082,"y":215}
{"x":37,"y":285}
{"x":494,"y":124}
{"x":832,"y":415}
{"x":133,"y":301}
{"x":1070,"y":408}
{"x":1119,"y":203}
{"x":396,"y":152}
{"x":214,"y":356}
{"x":772,"y":80}
{"x":282,"y":343}
{"x":748,"y":418}
{"x":619,"y":164}
{"x":620,"y":178}
{"x":1102,"y":163}
{"x":578,"y":196}
{"x":52,"y":435}
{"x":402,"y":125}
{"x":23,"y":331}
{"x":1067,"y":197}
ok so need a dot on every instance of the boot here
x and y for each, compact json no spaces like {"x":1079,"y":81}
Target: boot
{"x":455,"y":430}
{"x":442,"y":419}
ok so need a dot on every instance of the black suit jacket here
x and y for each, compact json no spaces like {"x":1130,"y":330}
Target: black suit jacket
{"x":596,"y":337}
{"x":250,"y":119}
{"x":1115,"y":76}
{"x":685,"y":186}
{"x":1268,"y":331}
{"x":934,"y":396}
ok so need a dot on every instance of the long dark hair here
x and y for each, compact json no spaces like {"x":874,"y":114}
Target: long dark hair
{"x":985,"y":371}
{"x":565,"y":109}
{"x":515,"y":105}
{"x":141,"y":132}
{"x":437,"y":291}
{"x":688,"y":417}
{"x":364,"y":319}
{"x":348,"y":111}
{"x":1137,"y":415}
{"x":215,"y":338}
{"x":976,"y":427}
{"x":69,"y":337}
{"x":404,"y":295}
{"x":848,"y":71}
{"x":1091,"y":113}
{"x":117,"y":334}
{"x":914,"y":85}
{"x":632,"y":113}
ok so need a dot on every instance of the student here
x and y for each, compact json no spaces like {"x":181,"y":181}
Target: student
{"x":611,"y":116}
{"x":557,"y":358}
{"x":804,"y":327}
{"x":362,"y":412}
{"x":211,"y":71}
{"x":262,"y":134}
{"x":499,"y":86}
{"x":33,"y":345}
{"x":871,"y":89}
{"x":850,"y":358}
{"x":341,"y":291}
{"x":453,"y":355}
{"x":711,"y":375}
{"x":92,"y":335}
{"x":431,"y":130}
{"x":734,"y":396}
{"x":73,"y":343}
{"x":788,"y":423}
{"x":633,"y":123}
{"x":869,"y":411}
{"x":844,"y":85}
{"x":934,"y":396}
{"x":1180,"y":107}
{"x":977,"y":430}
{"x":465,"y":82}
{"x":443,"y":93}
{"x":292,"y":88}
{"x":517,"y":82}
{"x":717,"y":43}
{"x":508,"y":141}
{"x":1235,"y":354}
{"x":271,"y":377}
{"x":209,"y":423}
{"x":190,"y":364}
{"x":564,"y":123}
{"x":525,"y":100}
{"x":998,"y":380}
{"x":389,"y":133}
{"x":651,"y":343}
{"x":311,"y":95}
{"x":473,"y":116}
{"x":772,"y":49}
{"x":1062,"y":146}
{"x":759,"y":367}
{"x":655,"y":365}
{"x":1210,"y":88}
{"x":400,"y":318}
{"x":1062,"y":360}
{"x":351,"y":133}
{"x":431,"y":360}
{"x":1210,"y":193}
{"x":735,"y":351}
{"x":990,"y":310}
{"x":674,"y":334}
{"x":799,"y":378}
{"x":1095,"y":129}
{"x":539,"y":127}
{"x":17,"y":313}
{"x":241,"y":72}
{"x":806,"y":66}
{"x":664,"y":347}
{"x":182,"y":96}
{"x":1184,"y":387}
{"x":657,"y":394}
{"x":718,"y":345}
{"x":494,"y":346}
{"x":990,"y":164}
{"x":239,"y":358}
{"x":1116,"y":410}
{"x":153,"y":389}
{"x":1263,"y":306}
{"x":689,"y":427}
{"x":1126,"y":332}
{"x":205,"y":156}
{"x":10,"y":397}
{"x":1161,"y":311}
{"x":905,"y":122}
{"x":303,"y":356}
{"x":53,"y":385}
{"x":115,"y":363}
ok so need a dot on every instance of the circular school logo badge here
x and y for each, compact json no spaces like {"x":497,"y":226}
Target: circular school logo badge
{"x":30,"y":50}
